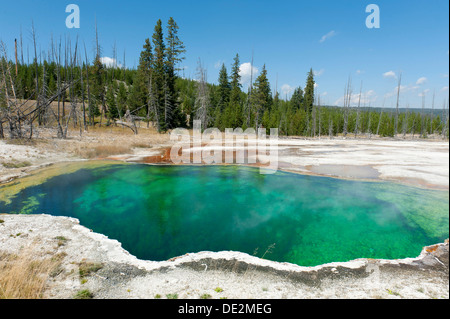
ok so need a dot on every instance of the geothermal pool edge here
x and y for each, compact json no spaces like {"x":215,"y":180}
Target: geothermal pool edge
{"x":243,"y":276}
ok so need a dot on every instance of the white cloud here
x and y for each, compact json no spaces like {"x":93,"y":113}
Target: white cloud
{"x":366,"y":98}
{"x":109,"y":62}
{"x":445,"y":88}
{"x":359,"y":72}
{"x":286,"y":89}
{"x":424,"y":92}
{"x":330,"y":34}
{"x":316,"y":85}
{"x":421,"y":80}
{"x":318,"y":73}
{"x":245,"y":71}
{"x":403,"y":89}
{"x":390,"y":74}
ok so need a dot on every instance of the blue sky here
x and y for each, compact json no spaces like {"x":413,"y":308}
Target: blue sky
{"x":289,"y":37}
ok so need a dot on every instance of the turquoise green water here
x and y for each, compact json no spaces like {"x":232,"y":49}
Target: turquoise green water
{"x":159,"y":212}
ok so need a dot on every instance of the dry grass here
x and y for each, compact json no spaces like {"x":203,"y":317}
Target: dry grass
{"x":24,"y":276}
{"x":21,"y":141}
{"x":140,"y":145}
{"x":101,"y":142}
{"x":102,"y":151}
{"x":16,"y":164}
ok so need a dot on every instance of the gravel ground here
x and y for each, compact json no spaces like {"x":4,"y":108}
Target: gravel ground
{"x":218,"y":274}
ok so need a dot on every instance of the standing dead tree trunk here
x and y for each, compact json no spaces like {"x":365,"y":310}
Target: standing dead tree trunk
{"x":90,"y":110}
{"x":432,"y":114}
{"x":422,"y":118}
{"x":13,"y":120}
{"x":168,"y":107}
{"x":82,"y":96}
{"x":369,"y":129}
{"x":318,"y":109}
{"x":152,"y":104}
{"x":330,"y":128}
{"x":445,"y":114}
{"x":202,"y":99}
{"x":15,"y":53}
{"x":357,"y":111}
{"x":347,"y":103}
{"x":380,"y":119}
{"x":405,"y":121}
{"x":33,"y":34}
{"x":249,"y":97}
{"x":396,"y":107}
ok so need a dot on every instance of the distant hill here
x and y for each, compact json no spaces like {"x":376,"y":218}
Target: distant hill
{"x":426,"y":111}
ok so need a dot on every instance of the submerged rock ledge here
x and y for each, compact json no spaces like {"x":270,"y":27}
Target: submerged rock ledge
{"x":239,"y":275}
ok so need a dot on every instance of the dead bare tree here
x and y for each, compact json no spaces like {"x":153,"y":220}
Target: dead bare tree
{"x":21,"y":115}
{"x":330,"y":128}
{"x":397,"y":104}
{"x":168,"y":107}
{"x":202,"y":99}
{"x":405,"y":121}
{"x":357,"y":111}
{"x":33,"y":34}
{"x":381,"y":117}
{"x":90,"y":111}
{"x":15,"y":53}
{"x":249,"y":96}
{"x":313,"y":132}
{"x":445,"y":115}
{"x":152,"y":105}
{"x":432,"y":113}
{"x":422,"y":117}
{"x":82,"y":96}
{"x":347,"y":103}
{"x":318,"y":106}
{"x":12,"y":118}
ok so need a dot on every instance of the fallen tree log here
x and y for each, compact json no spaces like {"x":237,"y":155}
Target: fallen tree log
{"x":131,"y":126}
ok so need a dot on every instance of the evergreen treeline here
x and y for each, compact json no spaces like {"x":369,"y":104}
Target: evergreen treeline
{"x":153,"y":92}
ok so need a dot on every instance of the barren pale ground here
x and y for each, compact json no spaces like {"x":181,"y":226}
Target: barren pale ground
{"x":423,"y":163}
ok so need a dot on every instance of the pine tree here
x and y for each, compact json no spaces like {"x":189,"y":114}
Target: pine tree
{"x":297,"y":98}
{"x":175,"y":47}
{"x":174,"y":55}
{"x":235,"y":104}
{"x":137,"y":97}
{"x":308,"y":98}
{"x":159,"y":76}
{"x":146,"y":58}
{"x":144,"y":77}
{"x":224,"y":88}
{"x":235,"y":82}
{"x":122,"y":99}
{"x":111,"y":103}
{"x":97,"y":86}
{"x":262,"y":97}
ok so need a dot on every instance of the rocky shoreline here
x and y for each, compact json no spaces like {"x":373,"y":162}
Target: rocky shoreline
{"x":238,"y":275}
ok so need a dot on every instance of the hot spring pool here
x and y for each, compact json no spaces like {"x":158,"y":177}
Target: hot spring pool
{"x":159,"y":212}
